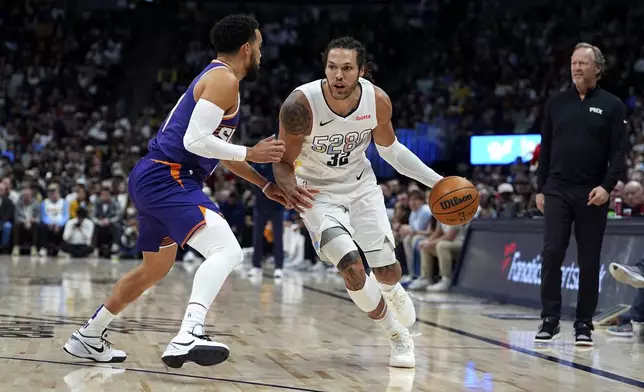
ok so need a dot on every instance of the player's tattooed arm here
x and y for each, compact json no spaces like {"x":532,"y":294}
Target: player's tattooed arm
{"x":295,"y":114}
{"x":295,"y":123}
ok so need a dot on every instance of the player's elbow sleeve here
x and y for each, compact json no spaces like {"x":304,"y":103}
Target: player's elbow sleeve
{"x":394,"y":154}
{"x":405,"y":162}
{"x":205,"y":118}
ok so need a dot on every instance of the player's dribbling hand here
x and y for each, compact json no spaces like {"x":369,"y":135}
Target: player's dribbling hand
{"x":266,"y":151}
{"x":276,"y":193}
{"x":598,"y":196}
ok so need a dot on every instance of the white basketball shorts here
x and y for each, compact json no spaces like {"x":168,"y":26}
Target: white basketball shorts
{"x":364,"y":216}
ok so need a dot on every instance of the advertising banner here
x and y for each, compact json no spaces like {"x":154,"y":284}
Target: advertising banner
{"x":502,"y":149}
{"x":504,"y":263}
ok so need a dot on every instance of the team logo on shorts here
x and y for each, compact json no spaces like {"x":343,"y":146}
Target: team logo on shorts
{"x":315,"y":240}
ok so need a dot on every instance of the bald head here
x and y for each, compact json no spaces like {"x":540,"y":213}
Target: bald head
{"x":632,"y":186}
{"x":634,"y":194}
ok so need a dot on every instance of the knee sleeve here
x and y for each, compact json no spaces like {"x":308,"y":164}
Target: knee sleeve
{"x":383,"y":257}
{"x":216,"y":237}
{"x":335,"y":243}
{"x":367,"y":298}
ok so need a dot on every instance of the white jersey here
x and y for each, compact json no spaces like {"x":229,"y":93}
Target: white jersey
{"x":333,"y":158}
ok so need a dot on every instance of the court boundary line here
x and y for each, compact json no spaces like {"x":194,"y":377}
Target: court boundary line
{"x":563,"y":362}
{"x":157,"y":372}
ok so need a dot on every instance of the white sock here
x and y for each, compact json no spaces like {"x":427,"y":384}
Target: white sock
{"x":389,"y":324}
{"x":195,"y":315}
{"x":98,"y":322}
{"x":209,"y":279}
{"x":218,"y":244}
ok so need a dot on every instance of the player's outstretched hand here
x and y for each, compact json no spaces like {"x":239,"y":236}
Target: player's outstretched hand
{"x":300,"y":198}
{"x":266,"y":151}
{"x":276,"y":193}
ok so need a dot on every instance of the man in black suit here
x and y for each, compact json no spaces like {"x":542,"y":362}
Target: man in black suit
{"x":582,"y":158}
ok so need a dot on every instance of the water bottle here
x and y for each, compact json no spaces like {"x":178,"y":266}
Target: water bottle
{"x":618,"y":206}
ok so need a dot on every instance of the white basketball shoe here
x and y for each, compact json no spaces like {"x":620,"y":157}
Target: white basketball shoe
{"x":401,"y":305}
{"x":402,"y":350}
{"x":194,"y":346}
{"x":96,"y":348}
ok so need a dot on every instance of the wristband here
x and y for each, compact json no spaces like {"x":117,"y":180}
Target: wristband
{"x":266,"y":187}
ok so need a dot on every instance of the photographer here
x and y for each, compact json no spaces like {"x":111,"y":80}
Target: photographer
{"x":78,"y":234}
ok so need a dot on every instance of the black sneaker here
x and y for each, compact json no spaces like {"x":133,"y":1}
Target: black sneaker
{"x":548,"y":331}
{"x":583,"y":334}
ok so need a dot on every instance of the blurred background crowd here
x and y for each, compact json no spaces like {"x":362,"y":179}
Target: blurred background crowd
{"x":83,"y":88}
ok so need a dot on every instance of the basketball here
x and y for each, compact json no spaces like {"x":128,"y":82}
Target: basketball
{"x":454,"y":201}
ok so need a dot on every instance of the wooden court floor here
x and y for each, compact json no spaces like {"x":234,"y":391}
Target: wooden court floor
{"x":300,"y":334}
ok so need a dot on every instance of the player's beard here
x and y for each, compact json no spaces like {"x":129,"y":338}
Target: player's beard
{"x":252,"y":71}
{"x":349,"y":91}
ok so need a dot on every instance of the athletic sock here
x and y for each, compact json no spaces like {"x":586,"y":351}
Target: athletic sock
{"x":389,"y":324}
{"x":195,"y":314}
{"x":207,"y":283}
{"x":98,"y":322}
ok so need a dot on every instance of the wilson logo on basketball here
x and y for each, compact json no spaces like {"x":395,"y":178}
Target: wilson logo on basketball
{"x":365,"y":117}
{"x":455,"y":201}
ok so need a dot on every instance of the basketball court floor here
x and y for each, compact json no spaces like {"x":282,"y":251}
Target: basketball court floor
{"x":300,"y":334}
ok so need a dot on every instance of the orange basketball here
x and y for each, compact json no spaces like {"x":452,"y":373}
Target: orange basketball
{"x":454,"y":201}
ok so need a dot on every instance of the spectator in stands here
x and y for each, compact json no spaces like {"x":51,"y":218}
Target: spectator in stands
{"x":234,"y":211}
{"x":71,"y":196}
{"x":617,"y":192}
{"x":107,"y":216}
{"x":485,"y":204}
{"x":129,"y":238}
{"x":26,"y":221}
{"x":54,"y":214}
{"x":81,"y":200}
{"x":445,"y":243}
{"x":78,"y":235}
{"x":417,"y":229}
{"x":7,"y":214}
{"x":633,"y":199}
{"x":390,"y":198}
{"x":121,"y":195}
{"x":426,"y":261}
{"x":11,"y":193}
{"x":632,"y":275}
{"x":507,"y":206}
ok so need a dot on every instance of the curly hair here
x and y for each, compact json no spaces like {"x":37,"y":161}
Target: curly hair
{"x":350,"y":43}
{"x":231,"y":32}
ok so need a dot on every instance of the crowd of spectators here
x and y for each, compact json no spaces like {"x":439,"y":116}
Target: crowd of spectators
{"x":61,"y":135}
{"x":469,"y":68}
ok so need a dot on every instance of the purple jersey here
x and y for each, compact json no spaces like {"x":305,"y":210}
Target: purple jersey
{"x":166,"y":185}
{"x":169,"y":140}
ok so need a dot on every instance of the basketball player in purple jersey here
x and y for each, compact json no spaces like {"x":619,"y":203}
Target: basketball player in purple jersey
{"x":166,"y":189}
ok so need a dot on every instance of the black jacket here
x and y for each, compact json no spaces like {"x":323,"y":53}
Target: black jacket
{"x":7,"y":210}
{"x":583,"y":142}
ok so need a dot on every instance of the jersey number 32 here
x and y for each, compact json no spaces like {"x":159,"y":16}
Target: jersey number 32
{"x":339,"y":146}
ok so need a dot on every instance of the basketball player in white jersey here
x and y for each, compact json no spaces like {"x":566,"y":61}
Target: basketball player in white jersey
{"x":327,"y":126}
